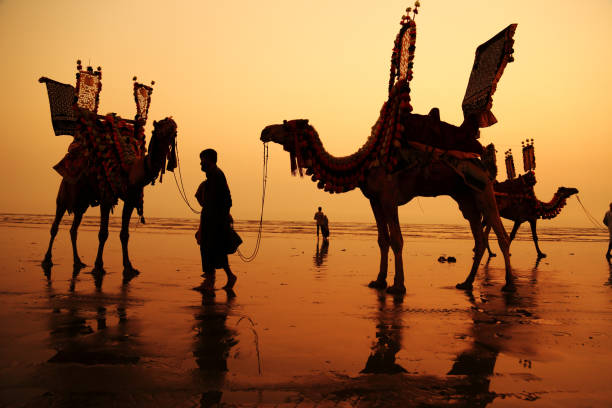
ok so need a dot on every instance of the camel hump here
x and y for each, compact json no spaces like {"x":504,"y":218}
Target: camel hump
{"x":434,"y":114}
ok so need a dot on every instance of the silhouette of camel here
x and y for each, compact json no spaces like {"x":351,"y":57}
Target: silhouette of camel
{"x":416,"y":173}
{"x":516,"y":201}
{"x":78,"y":196}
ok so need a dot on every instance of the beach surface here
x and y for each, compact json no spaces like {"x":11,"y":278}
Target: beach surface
{"x":303,"y":330}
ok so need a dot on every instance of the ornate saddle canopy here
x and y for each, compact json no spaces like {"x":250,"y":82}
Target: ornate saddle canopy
{"x":489,"y":63}
{"x":65,"y":100}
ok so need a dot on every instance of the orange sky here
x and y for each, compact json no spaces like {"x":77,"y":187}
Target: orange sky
{"x":225,"y":70}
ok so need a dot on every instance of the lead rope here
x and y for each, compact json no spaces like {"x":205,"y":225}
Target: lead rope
{"x":263,"y":199}
{"x":589,"y":216}
{"x":181,"y":190}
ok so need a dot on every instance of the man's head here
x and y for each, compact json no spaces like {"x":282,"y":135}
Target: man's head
{"x":208,"y":159}
{"x":320,"y":207}
{"x":610,"y":206}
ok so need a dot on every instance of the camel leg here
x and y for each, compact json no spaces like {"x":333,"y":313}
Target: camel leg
{"x":102,"y":237}
{"x":534,"y":235}
{"x":515,"y":228}
{"x":479,"y":248}
{"x":504,"y":245}
{"x":78,"y":216}
{"x":383,"y":244}
{"x":59,"y":213}
{"x":124,"y":236}
{"x":397,"y":244}
{"x":487,"y":231}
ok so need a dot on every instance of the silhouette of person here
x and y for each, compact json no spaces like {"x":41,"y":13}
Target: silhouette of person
{"x":215,"y":221}
{"x":325,"y":228}
{"x":608,"y":222}
{"x":318,"y":217}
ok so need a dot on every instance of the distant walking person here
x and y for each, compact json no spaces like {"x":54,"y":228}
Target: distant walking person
{"x":319,"y":219}
{"x":608,"y":221}
{"x":325,"y":228}
{"x":215,"y":222}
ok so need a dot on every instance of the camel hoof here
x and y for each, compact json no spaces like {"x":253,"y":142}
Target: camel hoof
{"x":129,"y":273}
{"x":98,"y":271}
{"x":376,"y":284}
{"x":78,"y":264}
{"x":464,"y":286}
{"x":509,"y":287}
{"x":396,"y":290}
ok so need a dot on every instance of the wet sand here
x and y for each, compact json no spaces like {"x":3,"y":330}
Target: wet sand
{"x":304,"y":329}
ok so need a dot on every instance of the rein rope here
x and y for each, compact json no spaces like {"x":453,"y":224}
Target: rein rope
{"x":589,"y":216}
{"x":263,"y":199}
{"x":181,"y":190}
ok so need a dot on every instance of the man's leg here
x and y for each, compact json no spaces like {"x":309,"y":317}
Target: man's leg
{"x":609,"y":255}
{"x":231,"y":278}
{"x":208,"y":272}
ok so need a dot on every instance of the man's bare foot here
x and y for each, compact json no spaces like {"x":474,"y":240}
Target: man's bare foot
{"x":231,"y":281}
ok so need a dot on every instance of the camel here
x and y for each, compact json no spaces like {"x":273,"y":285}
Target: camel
{"x":429,"y":173}
{"x":76,"y":197}
{"x":516,"y":201}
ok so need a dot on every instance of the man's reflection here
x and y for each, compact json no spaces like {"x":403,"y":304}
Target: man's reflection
{"x":321,"y":253}
{"x":388,"y":338}
{"x":212,"y":345}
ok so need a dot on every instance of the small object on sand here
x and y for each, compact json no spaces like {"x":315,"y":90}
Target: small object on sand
{"x":451,"y":259}
{"x":441,"y":259}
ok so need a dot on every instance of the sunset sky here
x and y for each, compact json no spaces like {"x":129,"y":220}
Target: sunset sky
{"x":225,"y":70}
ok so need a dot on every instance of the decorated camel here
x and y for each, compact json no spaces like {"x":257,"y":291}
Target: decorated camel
{"x":106,"y":161}
{"x":516,"y":199}
{"x":409,"y":155}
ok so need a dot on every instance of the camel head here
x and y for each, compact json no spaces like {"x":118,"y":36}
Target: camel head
{"x":162,"y":147}
{"x":291,"y":135}
{"x":285,"y":133}
{"x":566,"y":192}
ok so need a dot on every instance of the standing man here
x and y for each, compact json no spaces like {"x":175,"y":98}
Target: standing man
{"x":215,"y":222}
{"x":319,"y":219}
{"x":608,"y":221}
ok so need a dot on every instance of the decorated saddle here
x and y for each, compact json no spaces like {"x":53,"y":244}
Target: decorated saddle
{"x":105,"y":146}
{"x":398,"y":128}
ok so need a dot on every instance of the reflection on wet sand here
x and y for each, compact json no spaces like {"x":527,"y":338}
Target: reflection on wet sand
{"x":497,"y":322}
{"x":72,"y":334}
{"x":212,"y":346}
{"x":321,"y":253}
{"x":388,"y":338}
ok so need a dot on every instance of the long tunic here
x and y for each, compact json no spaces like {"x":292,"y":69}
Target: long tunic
{"x":216,"y":200}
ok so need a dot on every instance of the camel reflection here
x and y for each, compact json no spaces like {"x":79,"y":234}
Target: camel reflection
{"x":499,"y":326}
{"x":79,"y":328}
{"x":212,"y":346}
{"x":321,"y":253}
{"x":388,"y":338}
